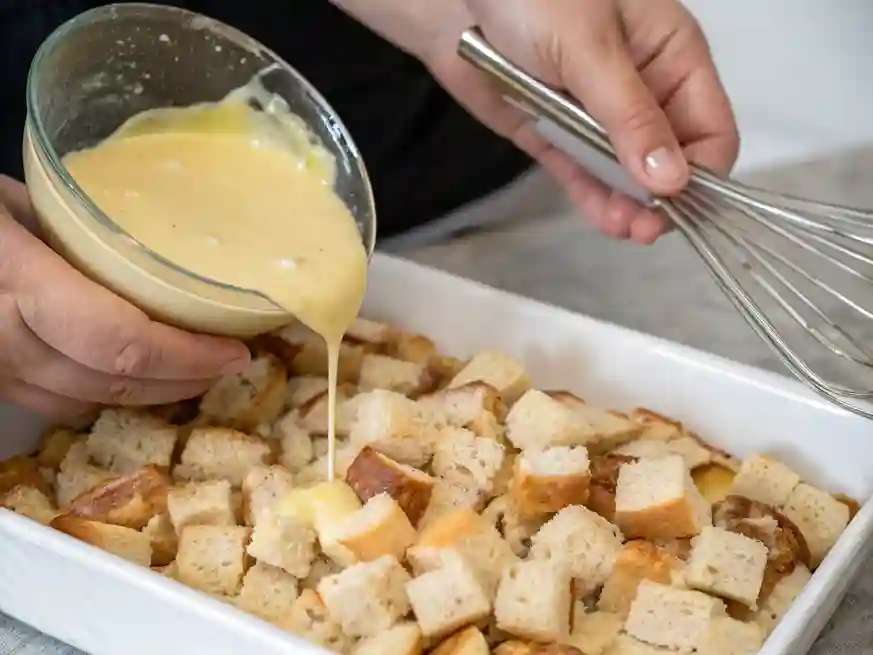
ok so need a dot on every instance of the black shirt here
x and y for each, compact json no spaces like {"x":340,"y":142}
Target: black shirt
{"x":415,"y":139}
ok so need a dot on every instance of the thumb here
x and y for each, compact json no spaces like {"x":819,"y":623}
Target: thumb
{"x":580,"y":45}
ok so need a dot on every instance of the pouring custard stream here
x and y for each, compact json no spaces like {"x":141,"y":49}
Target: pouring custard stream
{"x":240,"y":196}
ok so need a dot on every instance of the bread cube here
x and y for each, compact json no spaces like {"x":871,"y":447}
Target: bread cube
{"x":29,"y":502}
{"x":727,"y":564}
{"x":499,"y":371}
{"x":688,"y":448}
{"x":129,"y":500}
{"x":627,"y":645}
{"x":284,"y":542}
{"x":212,"y":558}
{"x":216,"y":453}
{"x":636,"y":561}
{"x":469,"y":641}
{"x":779,"y":600}
{"x":313,"y":415}
{"x":538,"y":421}
{"x":448,"y":598}
{"x":582,"y":541}
{"x":765,"y":479}
{"x":54,"y":446}
{"x":248,"y":399}
{"x":267,"y":592}
{"x":727,"y":636}
{"x":394,"y":425}
{"x":401,"y":639}
{"x":594,"y":633}
{"x":473,"y":538}
{"x":262,"y":488}
{"x":534,"y":600}
{"x":671,"y":618}
{"x":124,"y":542}
{"x":820,"y":517}
{"x":657,"y":499}
{"x":448,"y":496}
{"x":309,"y":618}
{"x":124,"y":440}
{"x":473,"y":404}
{"x":383,"y":372}
{"x":463,"y":458}
{"x":379,"y":528}
{"x":201,"y":503}
{"x":299,"y":390}
{"x":547,"y":481}
{"x":162,"y":535}
{"x":368,"y":597}
{"x":608,"y":428}
{"x":297,"y":448}
{"x":373,"y":473}
{"x":515,"y":528}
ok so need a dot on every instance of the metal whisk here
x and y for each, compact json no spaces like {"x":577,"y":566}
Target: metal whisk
{"x":807,"y":260}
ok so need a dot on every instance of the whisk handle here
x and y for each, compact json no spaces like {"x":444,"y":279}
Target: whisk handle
{"x":559,"y":119}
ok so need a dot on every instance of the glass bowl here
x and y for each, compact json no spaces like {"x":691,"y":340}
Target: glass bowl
{"x":102,"y":67}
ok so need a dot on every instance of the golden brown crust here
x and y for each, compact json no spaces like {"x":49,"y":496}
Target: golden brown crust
{"x":23,"y":471}
{"x":372,"y":473}
{"x":853,"y":505}
{"x":675,"y":518}
{"x":444,"y":369}
{"x":637,"y":561}
{"x":536,"y":495}
{"x":130,"y":500}
{"x":645,"y":416}
{"x":116,"y":539}
{"x":514,"y":648}
{"x":411,"y":347}
{"x":469,"y":641}
{"x":54,"y":446}
{"x":601,"y":486}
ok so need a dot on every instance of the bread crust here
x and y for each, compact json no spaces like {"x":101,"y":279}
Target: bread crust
{"x":130,"y":500}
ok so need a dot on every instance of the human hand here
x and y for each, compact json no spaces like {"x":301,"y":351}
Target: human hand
{"x":67,"y":344}
{"x":641,"y":67}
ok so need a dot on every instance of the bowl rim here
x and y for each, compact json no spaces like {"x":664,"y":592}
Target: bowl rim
{"x":49,"y":153}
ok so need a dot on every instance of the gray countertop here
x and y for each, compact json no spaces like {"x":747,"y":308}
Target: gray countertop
{"x":542,"y":249}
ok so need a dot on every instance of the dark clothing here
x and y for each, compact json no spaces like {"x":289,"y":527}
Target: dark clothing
{"x":416,"y":141}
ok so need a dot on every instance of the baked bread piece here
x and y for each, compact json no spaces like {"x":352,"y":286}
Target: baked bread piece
{"x":23,"y":471}
{"x":201,"y":503}
{"x":609,"y":428}
{"x":372,"y":473}
{"x":384,"y":372}
{"x":379,"y":528}
{"x":29,"y":502}
{"x":497,"y":370}
{"x":657,"y":499}
{"x":462,"y":458}
{"x":547,"y":481}
{"x":262,"y":488}
{"x":727,"y":636}
{"x":163,"y":538}
{"x":820,"y":517}
{"x":394,"y":425}
{"x":124,"y":440}
{"x":401,"y":639}
{"x":765,"y":479}
{"x":727,"y":564}
{"x":216,"y":453}
{"x":308,"y":618}
{"x":130,"y":500}
{"x":284,"y":542}
{"x":637,"y":560}
{"x":533,"y":601}
{"x":212,"y":558}
{"x":267,"y":592}
{"x":128,"y":543}
{"x":594,"y":633}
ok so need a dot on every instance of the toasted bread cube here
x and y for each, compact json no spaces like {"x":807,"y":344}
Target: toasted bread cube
{"x":469,"y":641}
{"x":515,"y":528}
{"x":549,"y":480}
{"x":372,"y":333}
{"x":657,"y":499}
{"x":130,"y":500}
{"x":498,"y":370}
{"x":463,"y":458}
{"x":608,"y":429}
{"x":579,"y":539}
{"x":74,"y":481}
{"x":383,"y":372}
{"x":298,"y":449}
{"x":594,"y":633}
{"x":379,"y":528}
{"x":55,"y":444}
{"x":267,"y":592}
{"x":124,"y":440}
{"x":300,"y":390}
{"x":820,"y":517}
{"x":322,"y":566}
{"x":401,"y":639}
{"x":688,"y":448}
{"x":395,"y":425}
{"x":671,"y":618}
{"x":22,"y":470}
{"x":473,"y":538}
{"x":538,"y":421}
{"x":130,"y":544}
{"x":262,"y":488}
{"x":212,"y":558}
{"x":766,"y":480}
{"x":248,"y":399}
{"x":216,"y":453}
{"x":307,"y":354}
{"x":449,"y":496}
{"x":448,"y":598}
{"x":201,"y":503}
{"x":367,"y":597}
{"x":467,"y":406}
{"x":29,"y":502}
{"x":534,"y":600}
{"x":317,"y":471}
{"x":284,"y":542}
{"x":313,"y":414}
{"x":372,"y":473}
{"x":727,"y":636}
{"x":657,"y":426}
{"x":308,"y":618}
{"x":637,"y":561}
{"x":627,"y":645}
{"x":727,"y":564}
{"x":780,"y":599}
{"x":162,"y":535}
{"x":413,"y":347}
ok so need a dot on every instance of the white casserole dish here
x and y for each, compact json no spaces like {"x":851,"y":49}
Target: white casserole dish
{"x":106,"y":606}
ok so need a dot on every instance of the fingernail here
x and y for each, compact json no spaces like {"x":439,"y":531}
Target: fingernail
{"x":665,"y":165}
